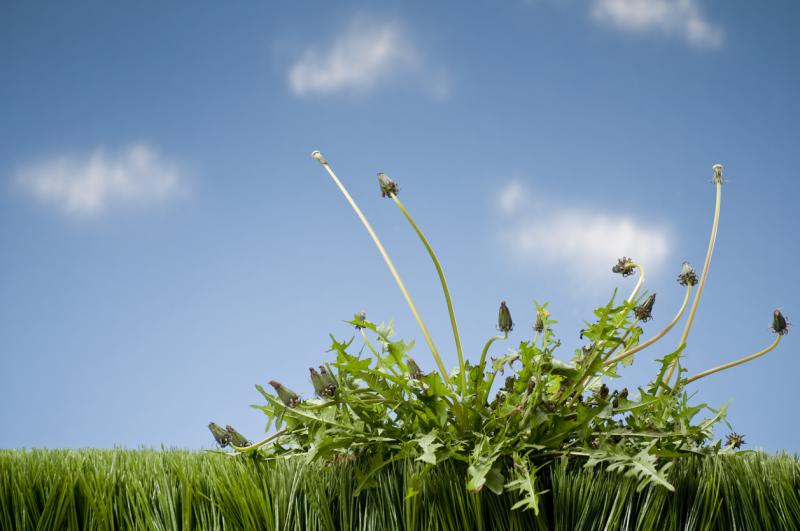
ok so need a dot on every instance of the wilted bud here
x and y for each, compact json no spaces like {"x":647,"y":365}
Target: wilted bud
{"x":359,"y":320}
{"x":328,"y":382}
{"x":717,"y":179}
{"x":779,"y":324}
{"x":414,"y":371}
{"x":735,"y":439}
{"x":541,"y":315}
{"x":388,"y":186}
{"x":222,"y":437}
{"x":287,"y":396}
{"x":237,"y":439}
{"x":504,"y":322}
{"x":687,"y":276}
{"x":644,"y":311}
{"x":316,"y":381}
{"x":603,"y":392}
{"x":625,"y":267}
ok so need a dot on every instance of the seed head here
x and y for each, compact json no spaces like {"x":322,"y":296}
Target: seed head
{"x":388,"y":186}
{"x":687,"y":276}
{"x":237,"y":439}
{"x":316,"y":155}
{"x":735,"y":439}
{"x":287,"y":396}
{"x":717,"y":179}
{"x":222,"y":437}
{"x":644,"y":311}
{"x":504,"y":322}
{"x":779,"y":324}
{"x":414,"y":372}
{"x":625,"y":266}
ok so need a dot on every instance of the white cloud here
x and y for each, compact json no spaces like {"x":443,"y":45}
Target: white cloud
{"x":365,"y":55}
{"x":93,"y":183}
{"x":683,"y":18}
{"x":579,"y":241}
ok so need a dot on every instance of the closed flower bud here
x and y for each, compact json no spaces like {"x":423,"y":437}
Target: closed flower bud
{"x":414,"y":371}
{"x":717,"y":179}
{"x":359,"y":319}
{"x":687,"y":276}
{"x":625,"y":267}
{"x":735,"y":439}
{"x":222,"y":437}
{"x":644,"y":312}
{"x":541,"y":315}
{"x":328,"y":382}
{"x":237,"y":439}
{"x":779,"y":324}
{"x":504,"y":322}
{"x":287,"y":396}
{"x":388,"y":186}
{"x":603,"y":392}
{"x":316,"y":381}
{"x":624,"y":393}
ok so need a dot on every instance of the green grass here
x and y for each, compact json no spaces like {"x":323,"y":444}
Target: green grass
{"x":148,"y":489}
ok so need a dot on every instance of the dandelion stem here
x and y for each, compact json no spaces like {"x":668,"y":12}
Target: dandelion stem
{"x":734,"y":363}
{"x":486,"y":348}
{"x":638,"y":283}
{"x":262,"y":442}
{"x":704,"y":275}
{"x":662,"y":333}
{"x":445,"y":290}
{"x":428,"y":339}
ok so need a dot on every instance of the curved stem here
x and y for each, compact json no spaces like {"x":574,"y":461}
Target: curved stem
{"x":390,"y":265}
{"x":734,"y":363}
{"x":246,"y":449}
{"x":639,"y":283}
{"x":711,"y":242}
{"x":642,"y":346}
{"x":445,"y":289}
{"x":486,"y":348}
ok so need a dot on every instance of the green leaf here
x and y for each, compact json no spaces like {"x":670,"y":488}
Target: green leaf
{"x":429,"y":446}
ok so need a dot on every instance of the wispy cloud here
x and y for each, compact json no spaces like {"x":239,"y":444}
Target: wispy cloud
{"x":90,"y":184}
{"x":367,"y":54}
{"x":582,"y":242}
{"x":682,"y":18}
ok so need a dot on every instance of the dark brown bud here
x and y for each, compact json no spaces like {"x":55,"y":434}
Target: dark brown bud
{"x":687,"y":277}
{"x":625,"y":267}
{"x":736,"y":440}
{"x":603,"y":392}
{"x":779,"y":324}
{"x":388,"y":186}
{"x":644,"y":312}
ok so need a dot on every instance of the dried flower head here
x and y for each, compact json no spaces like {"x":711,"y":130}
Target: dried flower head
{"x":687,"y":276}
{"x":735,"y":439}
{"x":625,"y":267}
{"x":644,"y":312}
{"x":779,"y":324}
{"x":222,"y":437}
{"x":287,"y":396}
{"x":717,"y":179}
{"x":388,"y":186}
{"x":504,"y":322}
{"x":414,"y":372}
{"x":237,"y":439}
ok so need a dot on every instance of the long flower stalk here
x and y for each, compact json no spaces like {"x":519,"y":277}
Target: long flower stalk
{"x":428,"y":339}
{"x":631,"y":351}
{"x":711,"y":242}
{"x":639,"y":282}
{"x":734,"y":363}
{"x":445,"y":290}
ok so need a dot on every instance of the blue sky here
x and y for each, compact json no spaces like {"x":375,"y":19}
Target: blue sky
{"x":166,"y":242}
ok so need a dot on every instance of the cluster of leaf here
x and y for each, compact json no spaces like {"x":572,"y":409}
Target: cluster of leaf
{"x":380,"y":408}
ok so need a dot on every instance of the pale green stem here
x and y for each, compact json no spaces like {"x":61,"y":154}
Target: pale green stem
{"x":483,"y":362}
{"x":734,"y":363}
{"x":428,"y":339}
{"x":638,"y":282}
{"x":702,"y":283}
{"x":642,"y":346}
{"x":246,"y":449}
{"x":445,"y":289}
